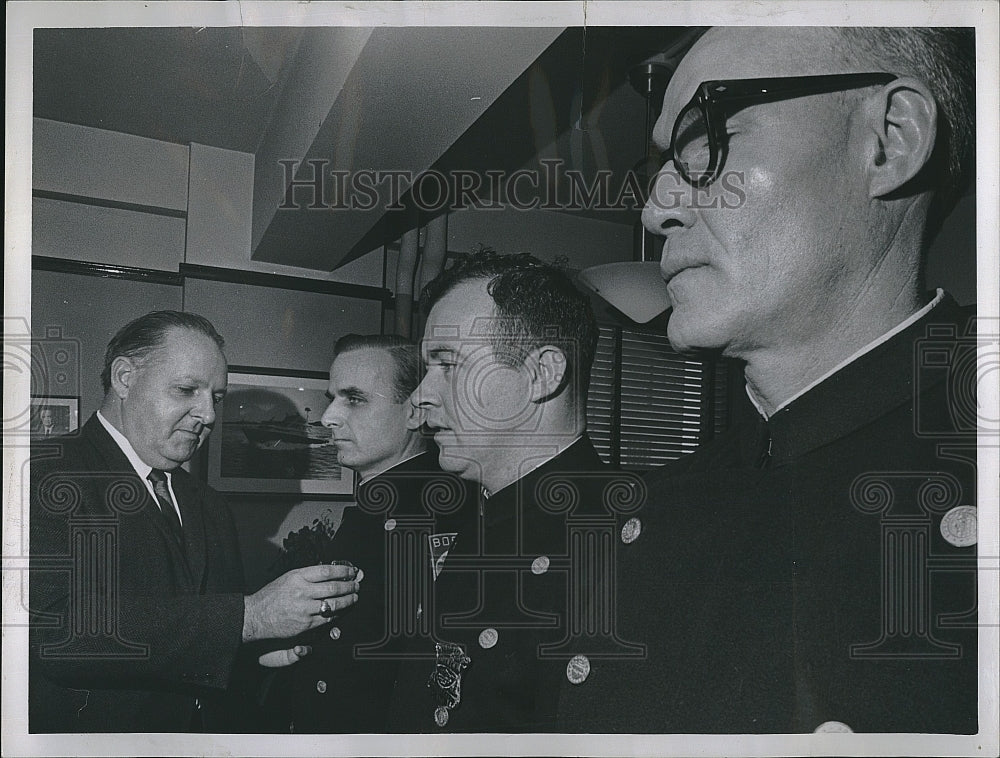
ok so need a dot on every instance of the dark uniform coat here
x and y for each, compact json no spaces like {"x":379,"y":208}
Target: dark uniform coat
{"x":507,"y":602}
{"x":131,"y":632}
{"x":344,"y":685}
{"x":815,"y":570}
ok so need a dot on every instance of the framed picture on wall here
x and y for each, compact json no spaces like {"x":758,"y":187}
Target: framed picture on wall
{"x":54,"y":415}
{"x":268,"y":437}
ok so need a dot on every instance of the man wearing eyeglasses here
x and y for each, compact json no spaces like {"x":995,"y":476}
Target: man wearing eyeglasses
{"x":813,"y":568}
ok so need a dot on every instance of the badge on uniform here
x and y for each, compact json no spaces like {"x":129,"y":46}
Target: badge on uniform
{"x":440,"y":544}
{"x":446,"y":680}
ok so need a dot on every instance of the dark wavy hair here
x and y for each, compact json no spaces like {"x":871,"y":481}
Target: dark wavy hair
{"x":405,"y":357}
{"x":141,"y":336}
{"x":536,"y":304}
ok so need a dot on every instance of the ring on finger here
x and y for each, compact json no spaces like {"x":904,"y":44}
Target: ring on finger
{"x":325,"y":610}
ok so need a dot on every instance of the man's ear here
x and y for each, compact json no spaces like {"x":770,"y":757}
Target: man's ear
{"x":123,"y":372}
{"x":547,"y":370}
{"x":905,"y":130}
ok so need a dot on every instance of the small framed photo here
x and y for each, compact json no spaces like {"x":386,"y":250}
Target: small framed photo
{"x":54,"y":415}
{"x":268,"y":437}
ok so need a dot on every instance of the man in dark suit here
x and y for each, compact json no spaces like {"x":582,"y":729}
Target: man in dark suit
{"x":137,"y":585}
{"x":509,"y":342}
{"x":387,"y":536}
{"x":46,"y":424}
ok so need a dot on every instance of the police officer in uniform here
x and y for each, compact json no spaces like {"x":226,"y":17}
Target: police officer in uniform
{"x":508,"y":344}
{"x":813,"y":568}
{"x":344,"y":684}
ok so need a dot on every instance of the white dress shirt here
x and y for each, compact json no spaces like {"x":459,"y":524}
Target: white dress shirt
{"x":141,"y":468}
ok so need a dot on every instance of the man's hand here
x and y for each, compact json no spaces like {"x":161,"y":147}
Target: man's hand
{"x":294,"y":602}
{"x":280,"y":658}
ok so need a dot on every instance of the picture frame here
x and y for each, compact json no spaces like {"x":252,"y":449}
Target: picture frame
{"x":268,"y":438}
{"x":54,"y":416}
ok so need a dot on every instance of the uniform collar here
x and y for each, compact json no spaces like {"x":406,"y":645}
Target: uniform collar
{"x":877,"y":380}
{"x":758,"y":404}
{"x":536,"y":464}
{"x":398,"y":464}
{"x":572,"y":459}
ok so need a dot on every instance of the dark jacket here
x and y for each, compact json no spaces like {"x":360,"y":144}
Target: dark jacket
{"x":344,"y":685}
{"x":510,"y":595}
{"x":794,"y":572}
{"x":130,"y":632}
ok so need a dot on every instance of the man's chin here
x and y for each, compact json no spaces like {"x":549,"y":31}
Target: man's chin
{"x":453,"y":464}
{"x":181,"y":453}
{"x":690,"y":332}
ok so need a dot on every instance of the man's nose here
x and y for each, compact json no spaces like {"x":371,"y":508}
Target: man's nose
{"x":425,"y":395}
{"x":671,"y":202}
{"x":331,"y":416}
{"x":204,"y":411}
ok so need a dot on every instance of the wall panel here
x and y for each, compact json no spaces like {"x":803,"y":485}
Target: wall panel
{"x":279,"y":328}
{"x":106,"y":235}
{"x":76,"y":316}
{"x":97,"y":163}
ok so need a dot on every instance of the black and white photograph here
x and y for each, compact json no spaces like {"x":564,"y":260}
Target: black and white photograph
{"x":53,"y":416}
{"x":493,"y":378}
{"x":269,"y":437}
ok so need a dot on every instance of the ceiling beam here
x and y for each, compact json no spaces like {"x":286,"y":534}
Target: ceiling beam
{"x":379,"y":100}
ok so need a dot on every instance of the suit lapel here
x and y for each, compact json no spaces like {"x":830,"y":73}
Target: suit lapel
{"x":116,"y":462}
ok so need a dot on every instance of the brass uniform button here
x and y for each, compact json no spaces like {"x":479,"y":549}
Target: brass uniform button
{"x":959,"y":526}
{"x":578,"y":669}
{"x":488,"y":638}
{"x":833,"y":727}
{"x":631,"y":530}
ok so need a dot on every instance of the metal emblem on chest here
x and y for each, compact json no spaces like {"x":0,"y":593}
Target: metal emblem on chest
{"x":446,"y":679}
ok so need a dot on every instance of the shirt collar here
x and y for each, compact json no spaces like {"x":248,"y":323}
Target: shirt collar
{"x":141,"y":468}
{"x":758,"y":404}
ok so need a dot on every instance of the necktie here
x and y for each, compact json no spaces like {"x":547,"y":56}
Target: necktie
{"x":159,"y":481}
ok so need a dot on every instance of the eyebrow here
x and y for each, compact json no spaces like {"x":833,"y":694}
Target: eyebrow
{"x":440,"y":352}
{"x":198,"y":382}
{"x":351,"y":392}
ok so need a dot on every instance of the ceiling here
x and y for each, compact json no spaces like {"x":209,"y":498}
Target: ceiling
{"x":451,"y":99}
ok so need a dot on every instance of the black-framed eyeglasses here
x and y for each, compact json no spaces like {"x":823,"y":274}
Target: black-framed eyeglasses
{"x":698,"y":143}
